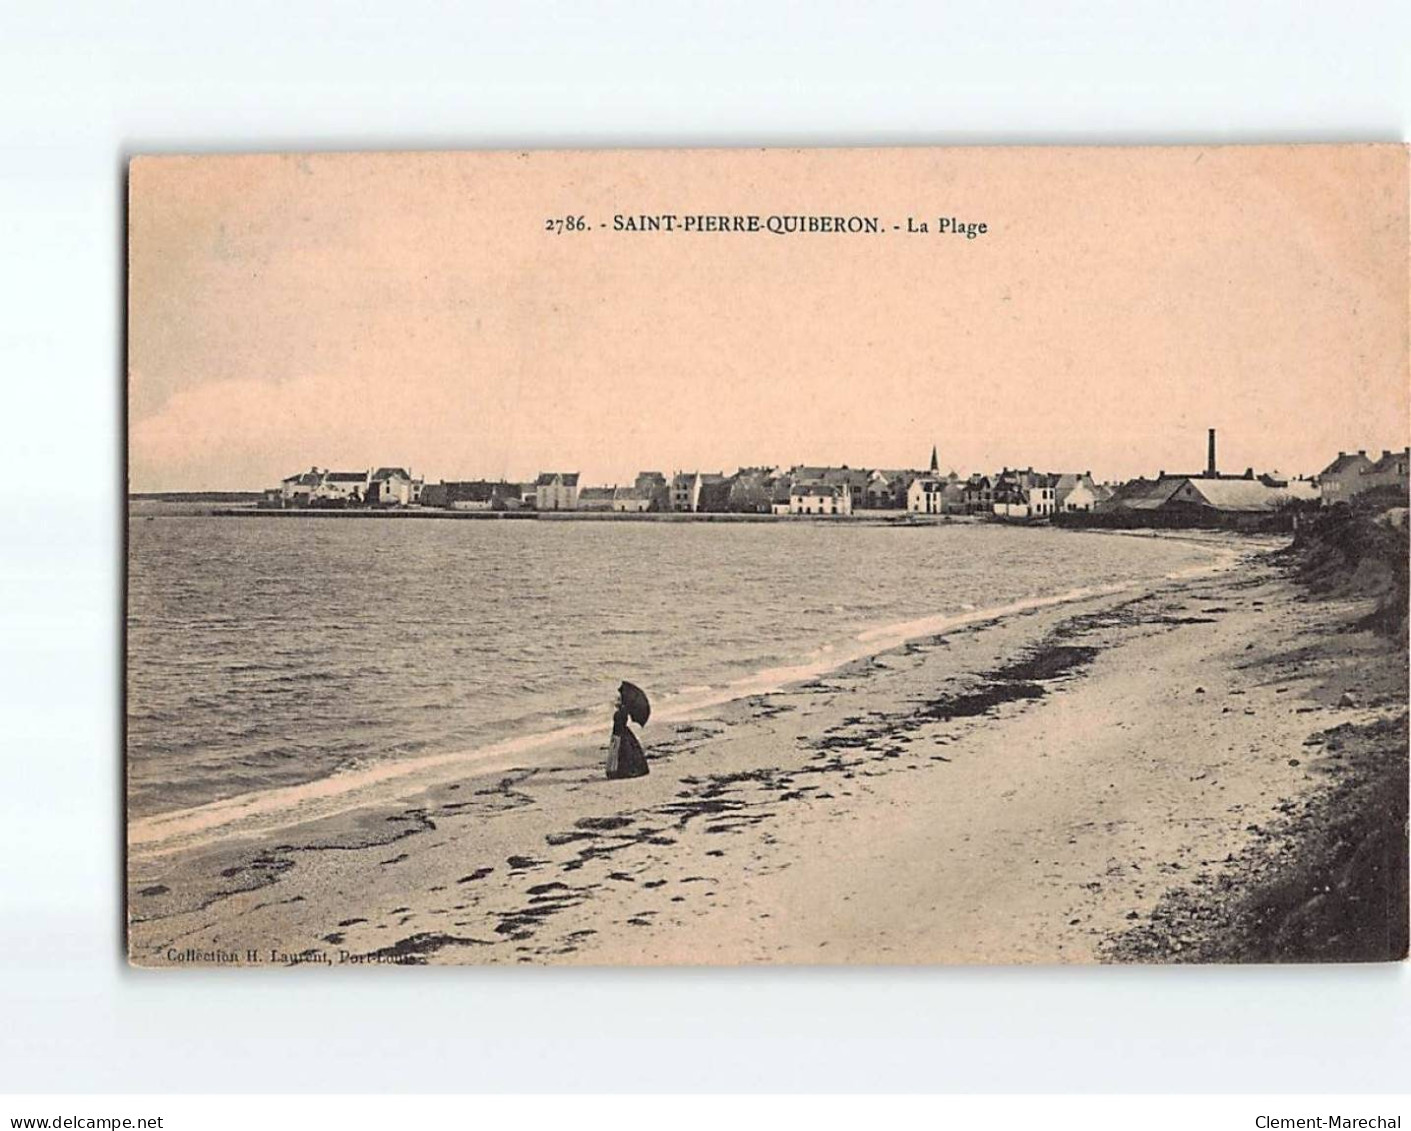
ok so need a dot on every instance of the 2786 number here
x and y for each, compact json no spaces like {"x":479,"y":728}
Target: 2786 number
{"x":560,"y":224}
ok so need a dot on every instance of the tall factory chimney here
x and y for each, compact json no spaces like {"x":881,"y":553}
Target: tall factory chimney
{"x":1210,"y":471}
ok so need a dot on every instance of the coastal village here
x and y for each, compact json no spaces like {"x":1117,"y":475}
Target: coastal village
{"x":1013,"y":494}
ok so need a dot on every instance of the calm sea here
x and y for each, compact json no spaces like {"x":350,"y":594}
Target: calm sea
{"x":273,"y":652}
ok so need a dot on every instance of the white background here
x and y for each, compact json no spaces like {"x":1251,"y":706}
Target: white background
{"x":84,"y":85}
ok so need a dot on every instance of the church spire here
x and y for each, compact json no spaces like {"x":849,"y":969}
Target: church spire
{"x":935,"y":463}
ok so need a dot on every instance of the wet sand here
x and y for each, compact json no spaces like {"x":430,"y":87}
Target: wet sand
{"x":1032,"y":789}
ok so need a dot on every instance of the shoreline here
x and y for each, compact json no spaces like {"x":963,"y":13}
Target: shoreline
{"x":383,"y":782}
{"x":969,"y":748}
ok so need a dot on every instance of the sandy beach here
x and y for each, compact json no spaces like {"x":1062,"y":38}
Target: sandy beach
{"x":1048,"y":786}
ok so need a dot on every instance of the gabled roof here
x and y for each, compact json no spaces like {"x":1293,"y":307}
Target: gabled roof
{"x":1239,"y":494}
{"x":1149,"y":495}
{"x":825,"y":474}
{"x":567,"y":478}
{"x":390,"y":472}
{"x":306,"y":479}
{"x":470,"y":491}
{"x":1347,"y":461}
{"x":715,"y":492}
{"x":813,"y":490}
{"x":852,"y":477}
{"x":596,"y":494}
{"x":1388,"y":462}
{"x":345,"y":476}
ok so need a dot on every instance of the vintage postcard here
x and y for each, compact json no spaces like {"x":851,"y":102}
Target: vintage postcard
{"x":988,"y":555}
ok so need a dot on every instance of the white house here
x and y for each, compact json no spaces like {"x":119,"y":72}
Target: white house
{"x":347,"y":486}
{"x":391,"y":487}
{"x":298,"y":490}
{"x":925,"y":495}
{"x":1025,"y":494}
{"x":631,"y":500}
{"x":1081,"y":496}
{"x":1042,"y":495}
{"x":820,"y":498}
{"x":556,"y":491}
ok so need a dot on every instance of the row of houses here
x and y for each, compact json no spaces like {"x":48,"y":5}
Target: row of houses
{"x":1354,"y":473}
{"x":807,"y":489}
{"x":800,"y":490}
{"x":1012,"y":493}
{"x":377,"y":487}
{"x":750,"y":490}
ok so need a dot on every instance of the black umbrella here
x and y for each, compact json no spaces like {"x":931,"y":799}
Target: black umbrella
{"x":634,"y":699}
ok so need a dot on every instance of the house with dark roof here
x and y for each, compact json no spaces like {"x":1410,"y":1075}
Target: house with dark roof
{"x":298,"y":490}
{"x":653,"y":484}
{"x":434,"y":494}
{"x":979,"y":495}
{"x":556,"y":491}
{"x":751,"y":490}
{"x":1389,"y":471}
{"x":342,"y":487}
{"x":881,"y":492}
{"x":686,"y":489}
{"x":820,"y":499}
{"x":853,"y":480}
{"x":595,"y":499}
{"x":715,"y":496}
{"x":926,"y":495}
{"x":472,"y":495}
{"x":1025,"y":493}
{"x":391,"y":487}
{"x":1064,"y":490}
{"x":632,"y":500}
{"x":1341,"y":481}
{"x":1142,"y":493}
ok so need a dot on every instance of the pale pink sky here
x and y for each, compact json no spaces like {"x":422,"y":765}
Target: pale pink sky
{"x":409,"y":309}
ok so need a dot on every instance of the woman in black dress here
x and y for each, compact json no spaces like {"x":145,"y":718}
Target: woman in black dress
{"x":625,"y":757}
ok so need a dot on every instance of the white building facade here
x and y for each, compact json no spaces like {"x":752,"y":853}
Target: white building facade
{"x":556,"y":491}
{"x":820,"y":499}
